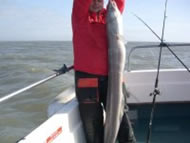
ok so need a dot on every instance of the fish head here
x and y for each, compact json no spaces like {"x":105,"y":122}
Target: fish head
{"x":114,"y":19}
{"x":113,"y":11}
{"x":112,"y":6}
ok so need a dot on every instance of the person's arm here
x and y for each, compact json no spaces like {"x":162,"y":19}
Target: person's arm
{"x":80,"y":8}
{"x":120,"y":5}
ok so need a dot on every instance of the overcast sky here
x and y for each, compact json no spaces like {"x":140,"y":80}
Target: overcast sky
{"x":51,"y":20}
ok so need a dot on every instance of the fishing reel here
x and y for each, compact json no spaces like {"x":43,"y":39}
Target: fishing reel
{"x":155,"y":92}
{"x":63,"y":69}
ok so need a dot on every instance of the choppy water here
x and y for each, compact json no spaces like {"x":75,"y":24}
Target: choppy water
{"x":23,"y":63}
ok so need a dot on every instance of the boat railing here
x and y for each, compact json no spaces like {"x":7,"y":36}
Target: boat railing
{"x":164,"y":45}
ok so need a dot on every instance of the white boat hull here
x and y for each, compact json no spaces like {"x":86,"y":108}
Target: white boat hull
{"x":63,"y":125}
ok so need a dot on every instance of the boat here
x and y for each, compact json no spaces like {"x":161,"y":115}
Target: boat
{"x":64,"y":124}
{"x":172,"y":114}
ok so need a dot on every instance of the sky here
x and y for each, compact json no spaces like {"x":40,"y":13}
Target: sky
{"x":30,"y":20}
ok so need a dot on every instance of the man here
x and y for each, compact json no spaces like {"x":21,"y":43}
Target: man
{"x":91,"y":66}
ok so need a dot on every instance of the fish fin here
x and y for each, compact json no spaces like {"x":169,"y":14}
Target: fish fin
{"x":125,"y":91}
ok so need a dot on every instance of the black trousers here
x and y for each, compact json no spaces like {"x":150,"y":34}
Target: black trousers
{"x":91,"y":92}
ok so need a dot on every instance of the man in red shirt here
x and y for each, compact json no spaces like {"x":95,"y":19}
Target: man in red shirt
{"x":91,"y":67}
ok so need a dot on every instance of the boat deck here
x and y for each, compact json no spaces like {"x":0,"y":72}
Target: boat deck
{"x":171,"y":123}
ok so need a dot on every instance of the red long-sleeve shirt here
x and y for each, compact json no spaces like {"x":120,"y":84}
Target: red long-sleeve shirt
{"x":89,"y":38}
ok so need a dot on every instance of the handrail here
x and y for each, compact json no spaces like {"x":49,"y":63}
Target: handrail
{"x":153,"y":46}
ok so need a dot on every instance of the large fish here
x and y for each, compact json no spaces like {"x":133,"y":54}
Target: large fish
{"x":116,"y":56}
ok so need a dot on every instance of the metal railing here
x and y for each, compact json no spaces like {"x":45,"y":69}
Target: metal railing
{"x":164,"y":45}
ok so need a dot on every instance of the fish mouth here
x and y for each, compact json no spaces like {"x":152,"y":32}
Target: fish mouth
{"x":112,"y":4}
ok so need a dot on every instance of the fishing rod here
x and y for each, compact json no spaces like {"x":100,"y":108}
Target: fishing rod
{"x":58,"y":72}
{"x":156,"y":90}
